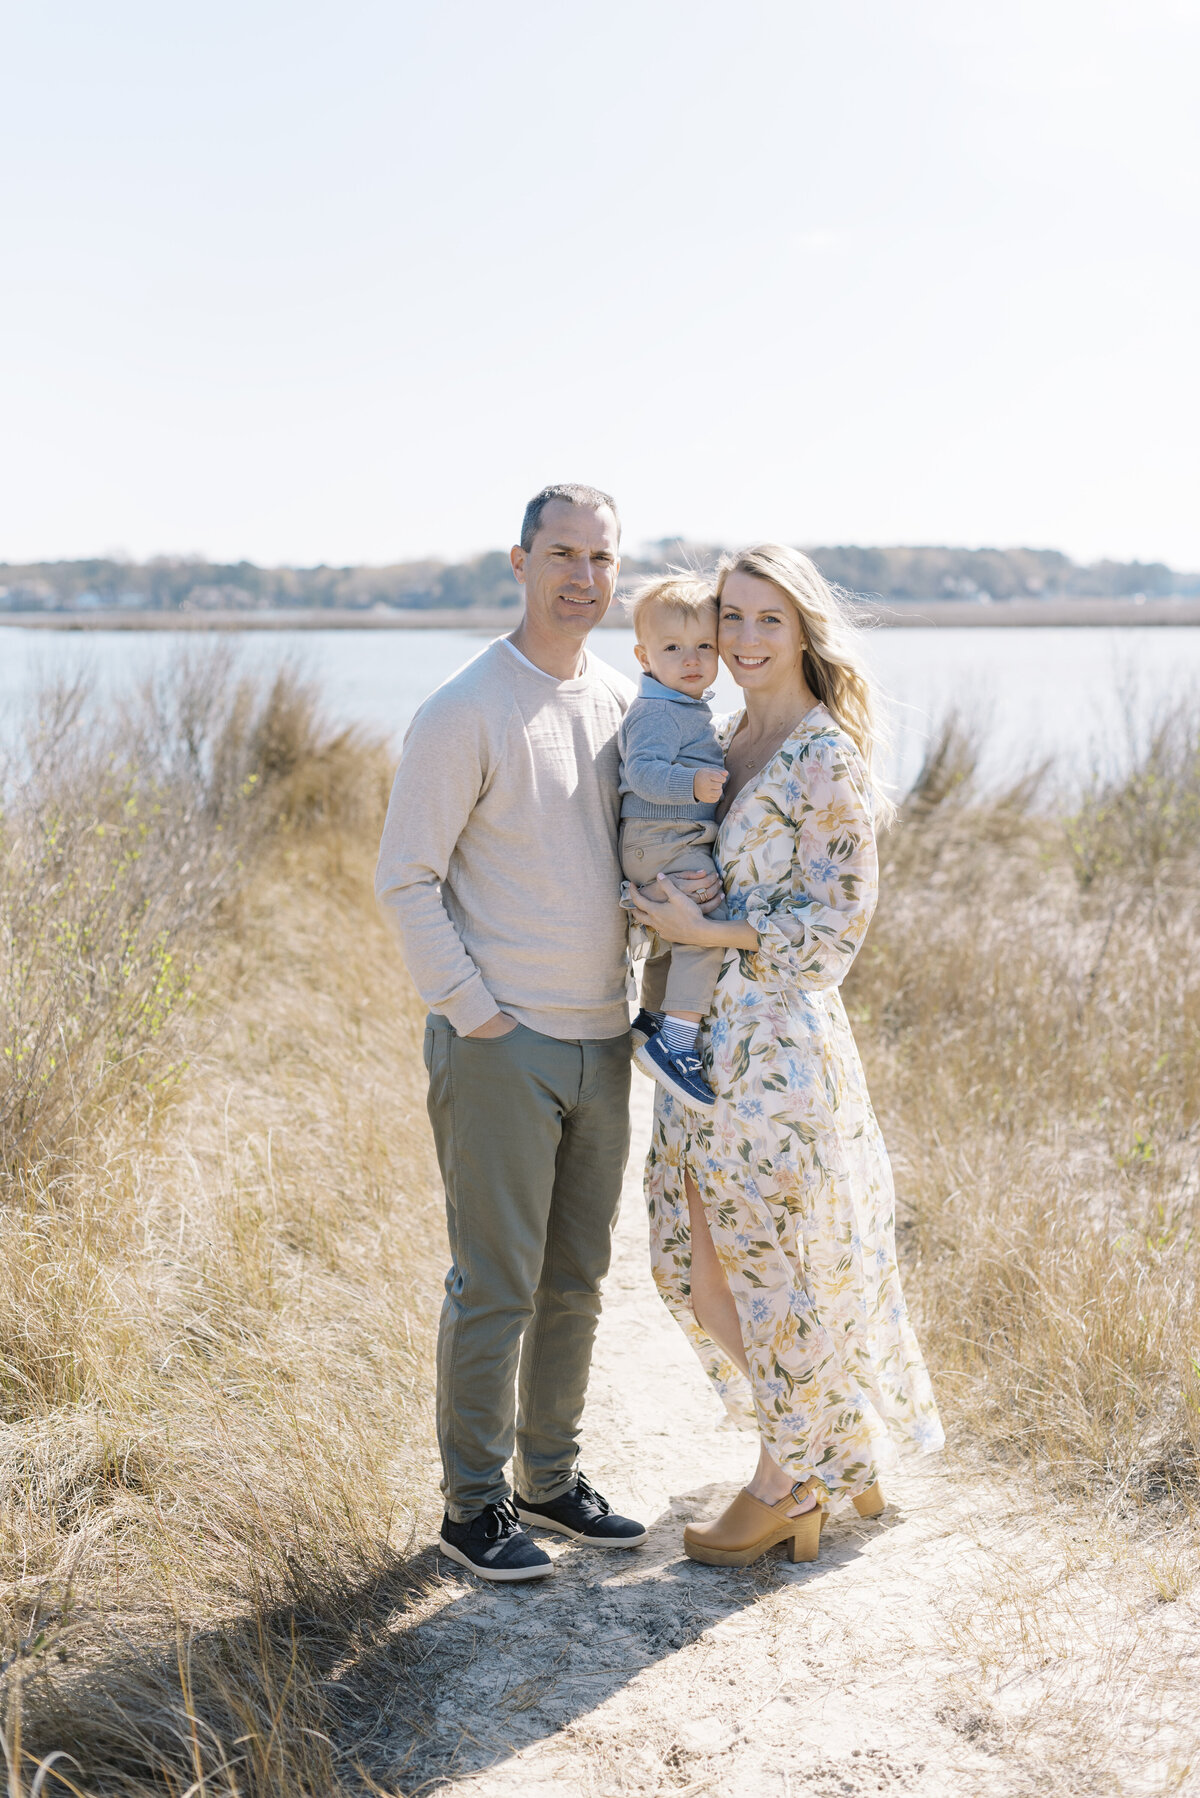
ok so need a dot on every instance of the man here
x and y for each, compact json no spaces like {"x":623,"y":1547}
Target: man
{"x":499,"y":868}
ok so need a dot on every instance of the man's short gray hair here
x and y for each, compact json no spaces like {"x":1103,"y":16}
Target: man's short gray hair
{"x":574,"y":495}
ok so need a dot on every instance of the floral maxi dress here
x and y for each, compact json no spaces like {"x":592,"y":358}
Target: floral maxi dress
{"x":791,"y":1166}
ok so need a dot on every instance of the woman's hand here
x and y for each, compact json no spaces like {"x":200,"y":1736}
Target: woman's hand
{"x":705,"y":889}
{"x":665,"y":908}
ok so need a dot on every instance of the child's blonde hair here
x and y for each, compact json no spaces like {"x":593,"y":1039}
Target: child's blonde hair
{"x":685,"y":593}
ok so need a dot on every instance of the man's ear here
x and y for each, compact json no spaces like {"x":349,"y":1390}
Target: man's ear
{"x":516,"y":556}
{"x":639,"y":650}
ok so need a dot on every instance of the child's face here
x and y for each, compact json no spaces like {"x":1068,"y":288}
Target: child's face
{"x":680,"y":649}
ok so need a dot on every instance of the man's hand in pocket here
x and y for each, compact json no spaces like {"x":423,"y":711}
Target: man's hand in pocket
{"x":500,"y":1025}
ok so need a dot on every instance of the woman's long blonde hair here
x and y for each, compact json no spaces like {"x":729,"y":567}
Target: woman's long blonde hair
{"x":832,"y":659}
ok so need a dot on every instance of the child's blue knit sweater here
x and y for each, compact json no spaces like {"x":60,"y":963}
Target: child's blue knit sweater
{"x":664,"y":737}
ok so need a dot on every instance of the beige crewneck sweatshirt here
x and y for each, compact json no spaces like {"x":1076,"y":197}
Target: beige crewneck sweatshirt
{"x":498,"y":864}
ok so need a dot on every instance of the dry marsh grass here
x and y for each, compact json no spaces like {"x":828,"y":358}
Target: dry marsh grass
{"x":1029,"y":1005}
{"x":218,"y":1240}
{"x":220,"y":1237}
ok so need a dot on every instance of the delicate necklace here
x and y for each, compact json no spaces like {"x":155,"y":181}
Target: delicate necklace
{"x":776,"y":741}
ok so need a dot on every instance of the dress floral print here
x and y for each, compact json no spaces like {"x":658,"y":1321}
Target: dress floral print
{"x":791,"y":1166}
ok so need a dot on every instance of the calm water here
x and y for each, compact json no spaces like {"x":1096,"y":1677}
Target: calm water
{"x":1071,"y":693}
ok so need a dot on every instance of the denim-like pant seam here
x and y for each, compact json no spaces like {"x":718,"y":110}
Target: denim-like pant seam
{"x":546,"y":1278}
{"x":462,"y":1262}
{"x":459,"y":1259}
{"x":592,"y":1090}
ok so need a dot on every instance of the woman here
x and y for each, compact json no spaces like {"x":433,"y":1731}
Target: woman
{"x":771,"y":1220}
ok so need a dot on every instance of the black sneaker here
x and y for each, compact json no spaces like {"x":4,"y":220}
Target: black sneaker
{"x":583,"y":1515}
{"x":644,"y":1026}
{"x":494,"y":1546}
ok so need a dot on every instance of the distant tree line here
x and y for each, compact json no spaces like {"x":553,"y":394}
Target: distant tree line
{"x":171,"y":583}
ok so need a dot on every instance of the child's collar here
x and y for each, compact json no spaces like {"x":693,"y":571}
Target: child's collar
{"x":650,"y":688}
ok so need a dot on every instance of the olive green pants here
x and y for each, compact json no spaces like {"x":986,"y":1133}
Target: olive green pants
{"x":532,"y":1135}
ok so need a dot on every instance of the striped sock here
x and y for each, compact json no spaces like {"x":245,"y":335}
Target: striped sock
{"x":679,"y":1034}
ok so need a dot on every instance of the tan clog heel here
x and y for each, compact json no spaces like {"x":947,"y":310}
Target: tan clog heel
{"x":747,"y":1528}
{"x":871,"y":1502}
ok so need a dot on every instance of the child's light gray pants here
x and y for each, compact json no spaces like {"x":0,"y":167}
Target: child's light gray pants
{"x":678,"y":976}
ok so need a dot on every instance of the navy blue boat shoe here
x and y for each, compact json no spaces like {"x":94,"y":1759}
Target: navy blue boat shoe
{"x":494,"y":1546}
{"x":583,"y":1515}
{"x":644,"y":1026}
{"x":681,"y":1073}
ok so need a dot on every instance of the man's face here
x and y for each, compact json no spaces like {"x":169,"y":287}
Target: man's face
{"x":570,"y":572}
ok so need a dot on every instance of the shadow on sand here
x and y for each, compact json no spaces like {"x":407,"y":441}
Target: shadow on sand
{"x":498,"y":1669}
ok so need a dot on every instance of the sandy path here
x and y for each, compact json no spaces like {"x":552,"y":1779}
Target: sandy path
{"x":959,"y":1645}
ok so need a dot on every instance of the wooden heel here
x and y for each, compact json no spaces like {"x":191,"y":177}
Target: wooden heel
{"x":871,"y":1502}
{"x":804,"y":1543}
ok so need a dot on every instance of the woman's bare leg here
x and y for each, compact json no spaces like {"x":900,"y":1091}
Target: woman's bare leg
{"x":715,"y":1311}
{"x":712,"y":1301}
{"x":771,"y":1483}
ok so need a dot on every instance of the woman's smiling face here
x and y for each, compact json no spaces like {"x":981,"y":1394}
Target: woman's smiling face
{"x":759,"y":635}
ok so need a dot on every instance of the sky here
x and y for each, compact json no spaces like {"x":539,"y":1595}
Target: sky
{"x":311,"y":282}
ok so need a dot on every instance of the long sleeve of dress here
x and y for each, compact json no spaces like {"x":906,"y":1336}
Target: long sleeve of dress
{"x":811,"y":917}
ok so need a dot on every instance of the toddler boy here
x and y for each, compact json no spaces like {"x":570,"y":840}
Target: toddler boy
{"x":672,"y":773}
